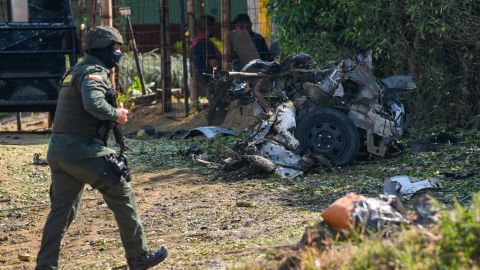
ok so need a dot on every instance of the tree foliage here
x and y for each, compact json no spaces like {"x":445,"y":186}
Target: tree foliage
{"x":437,"y":41}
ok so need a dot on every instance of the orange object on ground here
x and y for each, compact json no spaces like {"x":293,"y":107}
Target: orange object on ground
{"x":339,"y":214}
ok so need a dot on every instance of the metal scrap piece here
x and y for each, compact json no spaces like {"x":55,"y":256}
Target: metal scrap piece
{"x":289,"y":165}
{"x":264,"y":128}
{"x":406,"y":186}
{"x":278,"y":154}
{"x":288,"y":173}
{"x":37,"y":160}
{"x":285,"y":123}
{"x":209,"y":132}
{"x":377,"y":212}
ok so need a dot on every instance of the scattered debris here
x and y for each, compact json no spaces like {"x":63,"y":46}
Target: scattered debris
{"x":444,"y":138}
{"x":458,"y":175}
{"x":309,"y":116}
{"x":179,"y":134}
{"x":426,"y":211}
{"x":239,"y":166}
{"x":39,"y":161}
{"x":24,"y":257}
{"x":421,"y":147}
{"x":374,"y":213}
{"x":353,"y":210}
{"x":288,"y":173}
{"x":210,"y":132}
{"x":147,"y":132}
{"x":194,"y":149}
{"x":260,"y":163}
{"x":406,"y":186}
{"x":288,"y":163}
{"x":434,"y":144}
{"x":284,"y":125}
{"x":208,"y":164}
{"x":339,"y":214}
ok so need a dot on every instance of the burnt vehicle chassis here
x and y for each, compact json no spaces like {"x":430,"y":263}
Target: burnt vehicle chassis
{"x":340,"y":112}
{"x":38,"y":43}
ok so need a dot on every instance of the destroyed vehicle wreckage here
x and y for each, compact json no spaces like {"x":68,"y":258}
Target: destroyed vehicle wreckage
{"x":335,"y":113}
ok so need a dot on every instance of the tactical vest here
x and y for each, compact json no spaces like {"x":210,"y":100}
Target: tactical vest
{"x":70,"y":115}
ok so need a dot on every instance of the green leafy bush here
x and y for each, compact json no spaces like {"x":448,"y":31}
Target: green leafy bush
{"x":151,"y":67}
{"x":128,"y":75}
{"x":435,"y":41}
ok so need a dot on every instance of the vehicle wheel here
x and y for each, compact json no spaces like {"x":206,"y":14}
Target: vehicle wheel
{"x":331,"y":133}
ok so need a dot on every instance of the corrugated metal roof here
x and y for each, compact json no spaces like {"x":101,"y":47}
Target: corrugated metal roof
{"x":146,"y":11}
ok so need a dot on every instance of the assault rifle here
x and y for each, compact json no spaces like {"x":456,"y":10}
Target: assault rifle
{"x":119,"y":162}
{"x":111,"y":98}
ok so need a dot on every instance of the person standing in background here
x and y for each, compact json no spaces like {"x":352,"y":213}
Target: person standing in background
{"x":206,"y":57}
{"x":243,"y":37}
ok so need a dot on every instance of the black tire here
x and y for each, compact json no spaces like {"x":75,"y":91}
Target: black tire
{"x":331,"y":133}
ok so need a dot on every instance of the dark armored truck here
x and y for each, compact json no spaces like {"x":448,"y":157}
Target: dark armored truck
{"x":37,"y":45}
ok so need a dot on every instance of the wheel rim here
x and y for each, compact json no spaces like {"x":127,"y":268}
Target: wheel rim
{"x":327,"y":139}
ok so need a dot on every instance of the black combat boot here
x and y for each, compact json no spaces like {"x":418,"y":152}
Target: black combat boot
{"x":147,"y":260}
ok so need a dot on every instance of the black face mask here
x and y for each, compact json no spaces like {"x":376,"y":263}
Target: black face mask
{"x":108,"y":56}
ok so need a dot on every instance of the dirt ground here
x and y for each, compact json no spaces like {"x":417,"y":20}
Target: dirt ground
{"x":238,"y":118}
{"x":31,"y":122}
{"x":205,"y":225}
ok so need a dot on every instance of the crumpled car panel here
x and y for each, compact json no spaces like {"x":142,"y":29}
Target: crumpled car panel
{"x":210,"y":132}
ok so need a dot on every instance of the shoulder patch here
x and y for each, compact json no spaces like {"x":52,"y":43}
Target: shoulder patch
{"x":95,"y":77}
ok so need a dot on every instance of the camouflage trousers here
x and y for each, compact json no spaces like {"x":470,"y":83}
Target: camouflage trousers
{"x":68,"y":182}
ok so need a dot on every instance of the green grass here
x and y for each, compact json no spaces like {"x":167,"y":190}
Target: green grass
{"x":151,"y":155}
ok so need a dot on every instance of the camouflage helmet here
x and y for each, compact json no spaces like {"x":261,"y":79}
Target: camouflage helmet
{"x":101,"y":37}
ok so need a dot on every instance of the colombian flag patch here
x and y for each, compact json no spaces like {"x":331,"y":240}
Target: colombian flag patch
{"x":95,"y":77}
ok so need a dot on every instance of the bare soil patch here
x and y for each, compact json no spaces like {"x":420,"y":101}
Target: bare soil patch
{"x":202,"y":223}
{"x":29,"y":122}
{"x":239,"y":118}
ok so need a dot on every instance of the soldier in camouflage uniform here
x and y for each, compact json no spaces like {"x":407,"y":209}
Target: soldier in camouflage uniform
{"x":76,"y":155}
